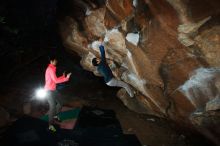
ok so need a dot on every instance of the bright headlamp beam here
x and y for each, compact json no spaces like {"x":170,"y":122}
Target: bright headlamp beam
{"x":41,"y":93}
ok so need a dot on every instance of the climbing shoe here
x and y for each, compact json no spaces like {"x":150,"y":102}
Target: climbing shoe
{"x":52,"y":128}
{"x":57,"y":118}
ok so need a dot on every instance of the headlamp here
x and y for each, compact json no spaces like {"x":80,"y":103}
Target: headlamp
{"x":41,"y":93}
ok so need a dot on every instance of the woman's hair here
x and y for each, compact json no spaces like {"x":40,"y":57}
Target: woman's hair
{"x":94,"y":62}
{"x":52,"y":57}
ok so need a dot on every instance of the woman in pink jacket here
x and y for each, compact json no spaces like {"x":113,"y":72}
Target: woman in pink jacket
{"x":50,"y":85}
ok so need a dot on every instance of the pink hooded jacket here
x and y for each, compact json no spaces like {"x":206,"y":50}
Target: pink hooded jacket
{"x":51,"y":79}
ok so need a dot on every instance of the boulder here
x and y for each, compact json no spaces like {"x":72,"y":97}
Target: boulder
{"x":167,"y":50}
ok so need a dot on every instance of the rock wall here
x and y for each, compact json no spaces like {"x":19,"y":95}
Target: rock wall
{"x":167,"y":50}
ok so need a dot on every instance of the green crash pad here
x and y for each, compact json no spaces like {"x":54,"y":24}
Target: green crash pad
{"x":65,"y":115}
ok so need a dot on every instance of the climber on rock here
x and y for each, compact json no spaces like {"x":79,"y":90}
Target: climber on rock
{"x":105,"y":71}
